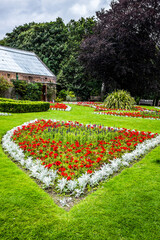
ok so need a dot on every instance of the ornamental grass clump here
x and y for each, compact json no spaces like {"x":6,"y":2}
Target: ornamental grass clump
{"x":120,"y":99}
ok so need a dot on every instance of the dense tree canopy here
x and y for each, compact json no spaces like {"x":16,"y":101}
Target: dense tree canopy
{"x":47,"y":40}
{"x":72,"y":74}
{"x":124,"y":49}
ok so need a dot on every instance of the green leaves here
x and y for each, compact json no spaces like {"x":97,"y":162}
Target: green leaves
{"x":120,"y":100}
{"x":28,"y":91}
{"x":14,"y":106}
{"x":4,"y":85}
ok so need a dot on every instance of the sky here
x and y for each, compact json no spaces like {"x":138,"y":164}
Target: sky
{"x":18,"y":12}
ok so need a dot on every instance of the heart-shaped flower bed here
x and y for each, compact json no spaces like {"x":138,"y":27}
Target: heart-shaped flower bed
{"x":69,"y":156}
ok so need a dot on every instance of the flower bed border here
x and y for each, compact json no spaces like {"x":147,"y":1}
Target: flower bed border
{"x":76,"y":187}
{"x":67,"y":109}
{"x":105,"y":113}
{"x":5,"y":114}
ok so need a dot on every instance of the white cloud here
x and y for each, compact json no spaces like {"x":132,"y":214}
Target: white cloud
{"x":94,"y":4}
{"x":79,"y":9}
{"x":18,"y":12}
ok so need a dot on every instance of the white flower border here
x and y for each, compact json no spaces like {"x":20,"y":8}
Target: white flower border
{"x":67,"y":109}
{"x":76,"y":187}
{"x":103,"y":113}
{"x":5,"y":114}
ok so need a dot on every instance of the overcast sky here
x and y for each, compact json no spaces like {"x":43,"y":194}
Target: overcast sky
{"x":18,"y":12}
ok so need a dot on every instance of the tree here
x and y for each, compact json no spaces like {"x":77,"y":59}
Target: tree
{"x":47,"y":40}
{"x":124,"y":50}
{"x":72,"y":74}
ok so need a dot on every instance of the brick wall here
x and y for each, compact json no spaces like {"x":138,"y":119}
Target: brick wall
{"x":28,"y":77}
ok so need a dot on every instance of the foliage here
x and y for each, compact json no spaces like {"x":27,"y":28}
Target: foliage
{"x":27,"y":91}
{"x":124,"y":51}
{"x":72,"y":74}
{"x":6,"y":100}
{"x":47,"y":40}
{"x":4,"y":85}
{"x":70,"y":96}
{"x":120,"y":100}
{"x":16,"y":106}
{"x":51,"y":92}
{"x":62,"y":94}
{"x":34,"y":92}
{"x":58,"y":99}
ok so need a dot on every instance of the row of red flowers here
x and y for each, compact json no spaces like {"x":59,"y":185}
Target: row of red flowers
{"x":58,"y":106}
{"x":99,"y":107}
{"x":154,"y":115}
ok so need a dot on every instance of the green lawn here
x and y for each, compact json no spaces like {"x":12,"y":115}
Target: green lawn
{"x":123,"y":208}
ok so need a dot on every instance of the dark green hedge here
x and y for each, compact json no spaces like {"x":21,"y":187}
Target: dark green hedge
{"x":15,"y":106}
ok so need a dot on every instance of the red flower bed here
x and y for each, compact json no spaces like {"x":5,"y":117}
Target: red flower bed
{"x":154,"y":115}
{"x":58,"y":106}
{"x":73,"y":149}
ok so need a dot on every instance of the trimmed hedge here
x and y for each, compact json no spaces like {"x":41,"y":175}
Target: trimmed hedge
{"x":16,"y":106}
{"x":7,"y":100}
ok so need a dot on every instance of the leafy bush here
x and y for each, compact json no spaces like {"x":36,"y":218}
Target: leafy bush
{"x":34,"y":92}
{"x":70,"y":96}
{"x":51,"y":92}
{"x":16,"y":106}
{"x":28,"y":91}
{"x":4,"y":85}
{"x":59,"y":99}
{"x":62,"y":94}
{"x":120,"y":99}
{"x":7,"y":100}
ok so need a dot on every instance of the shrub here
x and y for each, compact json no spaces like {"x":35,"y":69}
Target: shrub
{"x":120,"y":99}
{"x":7,"y":100}
{"x":28,"y":91}
{"x":4,"y":85}
{"x":16,"y":106}
{"x":70,"y":96}
{"x":62,"y":94}
{"x":58,"y":99}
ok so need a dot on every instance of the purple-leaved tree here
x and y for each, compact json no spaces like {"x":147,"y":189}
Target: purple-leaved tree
{"x":124,"y":50}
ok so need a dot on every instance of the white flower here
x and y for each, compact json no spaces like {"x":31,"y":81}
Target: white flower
{"x":83,"y":180}
{"x":47,"y":181}
{"x":78,"y":192}
{"x":5,"y":114}
{"x":29,"y":163}
{"x":71,"y":185}
{"x":61,"y":184}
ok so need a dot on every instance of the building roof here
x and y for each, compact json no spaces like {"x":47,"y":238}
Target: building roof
{"x":20,"y":61}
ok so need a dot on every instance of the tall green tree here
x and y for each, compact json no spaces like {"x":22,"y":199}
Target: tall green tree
{"x":47,"y":40}
{"x":72,"y":74}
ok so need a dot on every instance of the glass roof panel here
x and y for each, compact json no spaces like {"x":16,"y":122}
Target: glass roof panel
{"x":20,"y":61}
